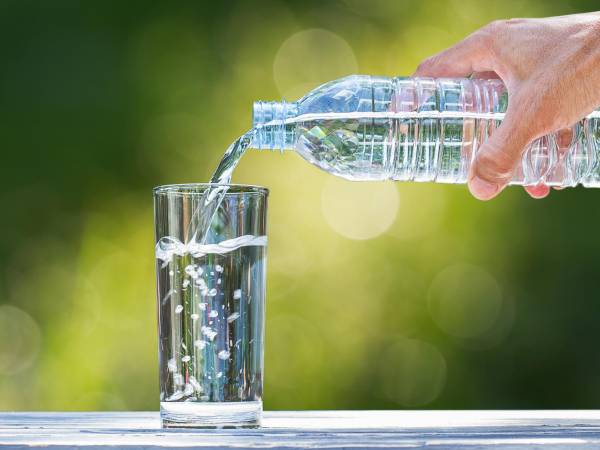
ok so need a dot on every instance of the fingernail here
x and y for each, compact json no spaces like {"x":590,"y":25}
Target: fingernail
{"x":483,"y":190}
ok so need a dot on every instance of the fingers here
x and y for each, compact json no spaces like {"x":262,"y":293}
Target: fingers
{"x":564,"y":139}
{"x":468,"y":56}
{"x":498,"y":157}
{"x":539,"y":191}
{"x":487,"y":75}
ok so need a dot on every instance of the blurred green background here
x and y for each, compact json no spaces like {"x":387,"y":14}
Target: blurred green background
{"x":380,"y":295}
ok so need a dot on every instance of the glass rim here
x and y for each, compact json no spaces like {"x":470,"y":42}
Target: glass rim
{"x":200,"y":188}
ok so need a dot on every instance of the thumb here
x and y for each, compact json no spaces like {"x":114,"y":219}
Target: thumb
{"x":498,"y":157}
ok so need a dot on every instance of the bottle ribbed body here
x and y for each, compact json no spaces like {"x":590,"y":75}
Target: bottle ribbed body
{"x":418,"y":129}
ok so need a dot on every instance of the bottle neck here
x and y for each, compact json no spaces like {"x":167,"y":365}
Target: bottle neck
{"x":269,"y":122}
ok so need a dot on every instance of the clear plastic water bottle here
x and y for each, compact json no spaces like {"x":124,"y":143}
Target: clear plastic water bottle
{"x":417,"y":129}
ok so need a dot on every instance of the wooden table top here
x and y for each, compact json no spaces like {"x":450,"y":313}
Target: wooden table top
{"x":312,"y":429}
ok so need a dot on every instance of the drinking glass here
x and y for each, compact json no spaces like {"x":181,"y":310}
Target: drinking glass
{"x":211,"y":267}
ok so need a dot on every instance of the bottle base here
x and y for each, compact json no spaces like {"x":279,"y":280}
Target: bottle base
{"x":211,"y":414}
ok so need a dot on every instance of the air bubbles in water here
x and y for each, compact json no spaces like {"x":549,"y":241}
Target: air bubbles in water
{"x":200,"y":344}
{"x":232,"y":317}
{"x":208,"y":332}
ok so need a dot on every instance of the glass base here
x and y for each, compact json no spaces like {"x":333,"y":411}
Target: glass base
{"x":211,"y":414}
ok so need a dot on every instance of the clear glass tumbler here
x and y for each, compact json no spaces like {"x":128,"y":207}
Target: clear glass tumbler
{"x":211,"y":303}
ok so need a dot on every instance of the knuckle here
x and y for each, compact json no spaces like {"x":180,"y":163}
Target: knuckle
{"x":488,"y":36}
{"x":495,"y":24}
{"x":428,"y":65}
{"x":423,"y":66}
{"x":514,"y":22}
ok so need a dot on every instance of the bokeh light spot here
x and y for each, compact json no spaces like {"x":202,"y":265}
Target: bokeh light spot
{"x":20,"y":340}
{"x":422,"y":208}
{"x":464,"y":300}
{"x":359,"y":210}
{"x":295,"y":354}
{"x":415,"y":372}
{"x":178,"y":135}
{"x":300,"y":66}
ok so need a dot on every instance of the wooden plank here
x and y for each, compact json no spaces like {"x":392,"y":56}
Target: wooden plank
{"x":313,"y":429}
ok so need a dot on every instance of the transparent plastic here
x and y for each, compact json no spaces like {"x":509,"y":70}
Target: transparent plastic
{"x":417,"y":129}
{"x":211,"y":305}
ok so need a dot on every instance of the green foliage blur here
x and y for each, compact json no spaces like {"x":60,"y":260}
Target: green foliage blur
{"x":380,"y":295}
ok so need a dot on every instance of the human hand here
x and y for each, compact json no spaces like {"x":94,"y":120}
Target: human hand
{"x":551,"y":68}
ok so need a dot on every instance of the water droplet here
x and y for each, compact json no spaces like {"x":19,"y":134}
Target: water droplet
{"x":202,"y":306}
{"x":237,"y":294}
{"x":219,"y":268}
{"x":212,"y":292}
{"x":223,"y":354}
{"x":213,"y":313}
{"x":186,"y":358}
{"x":178,"y":309}
{"x":200,"y":344}
{"x":172,"y":365}
{"x":195,"y":316}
